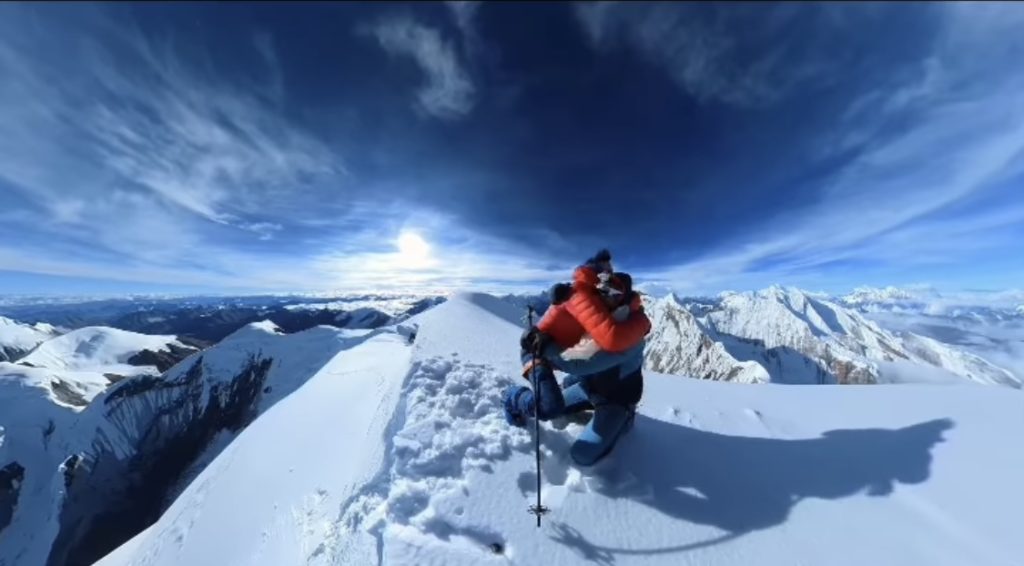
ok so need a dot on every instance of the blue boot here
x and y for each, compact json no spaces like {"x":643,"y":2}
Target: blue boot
{"x":610,"y":422}
{"x":510,"y":405}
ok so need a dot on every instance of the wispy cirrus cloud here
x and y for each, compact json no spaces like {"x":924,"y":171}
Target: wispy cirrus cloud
{"x":115,"y":144}
{"x":938,"y":190}
{"x":718,"y":147}
{"x":464,"y":13}
{"x":700,"y":47}
{"x":448,"y":91}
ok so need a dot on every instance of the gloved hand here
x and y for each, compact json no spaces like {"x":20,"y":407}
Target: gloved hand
{"x":560,"y":293}
{"x":533,"y":340}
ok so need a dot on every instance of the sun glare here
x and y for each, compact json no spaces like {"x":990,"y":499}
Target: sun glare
{"x":412,"y":247}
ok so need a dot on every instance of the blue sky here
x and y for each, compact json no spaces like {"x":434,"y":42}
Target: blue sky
{"x":286,"y":147}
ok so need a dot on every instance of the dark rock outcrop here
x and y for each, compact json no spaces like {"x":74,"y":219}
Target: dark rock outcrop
{"x":11,"y":477}
{"x":67,"y":394}
{"x":165,"y":425}
{"x":10,"y":353}
{"x":163,"y":359}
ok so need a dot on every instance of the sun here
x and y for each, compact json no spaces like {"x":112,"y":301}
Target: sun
{"x":412,"y":247}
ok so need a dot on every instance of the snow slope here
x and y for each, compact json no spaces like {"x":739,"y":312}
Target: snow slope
{"x":85,"y":475}
{"x":18,"y":339}
{"x":397,"y":454}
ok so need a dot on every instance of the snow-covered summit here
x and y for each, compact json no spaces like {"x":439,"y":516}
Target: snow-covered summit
{"x":418,"y":467}
{"x":679,"y":342}
{"x":99,"y":348}
{"x":71,"y":369}
{"x":867,"y":295}
{"x":18,"y":339}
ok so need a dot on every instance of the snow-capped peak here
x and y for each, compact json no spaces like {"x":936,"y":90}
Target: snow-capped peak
{"x":97,"y":348}
{"x":800,"y":337}
{"x":878,"y":294}
{"x":18,"y":339}
{"x":253,"y":329}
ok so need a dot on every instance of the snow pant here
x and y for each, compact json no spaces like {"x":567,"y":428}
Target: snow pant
{"x":610,"y":421}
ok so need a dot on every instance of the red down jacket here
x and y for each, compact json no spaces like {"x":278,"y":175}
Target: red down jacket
{"x":586,"y":313}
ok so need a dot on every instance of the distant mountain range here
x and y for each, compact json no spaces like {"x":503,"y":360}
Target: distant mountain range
{"x":210,"y":319}
{"x":971,"y":307}
{"x":785,"y":335}
{"x":781,"y":335}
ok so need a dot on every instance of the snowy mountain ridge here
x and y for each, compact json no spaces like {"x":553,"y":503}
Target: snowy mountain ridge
{"x":679,"y":343}
{"x":922,"y":299}
{"x":98,"y":470}
{"x":229,"y":445}
{"x":867,"y":295}
{"x":794,"y":338}
{"x":711,"y":473}
{"x":99,"y":348}
{"x":74,"y":367}
{"x":18,"y":339}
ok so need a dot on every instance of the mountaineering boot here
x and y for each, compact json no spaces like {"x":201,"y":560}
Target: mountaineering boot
{"x":610,"y":422}
{"x":510,"y":405}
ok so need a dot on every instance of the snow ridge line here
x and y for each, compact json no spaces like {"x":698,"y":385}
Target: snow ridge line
{"x":356,"y":508}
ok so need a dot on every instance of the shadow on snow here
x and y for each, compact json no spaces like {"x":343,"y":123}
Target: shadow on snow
{"x":743,"y":484}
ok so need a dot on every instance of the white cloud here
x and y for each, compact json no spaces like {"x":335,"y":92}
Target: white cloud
{"x":912,"y":197}
{"x":464,"y":13}
{"x":448,"y":92}
{"x":702,"y":55}
{"x":116,"y":144}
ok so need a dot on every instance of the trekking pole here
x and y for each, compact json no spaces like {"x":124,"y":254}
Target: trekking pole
{"x":538,"y":509}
